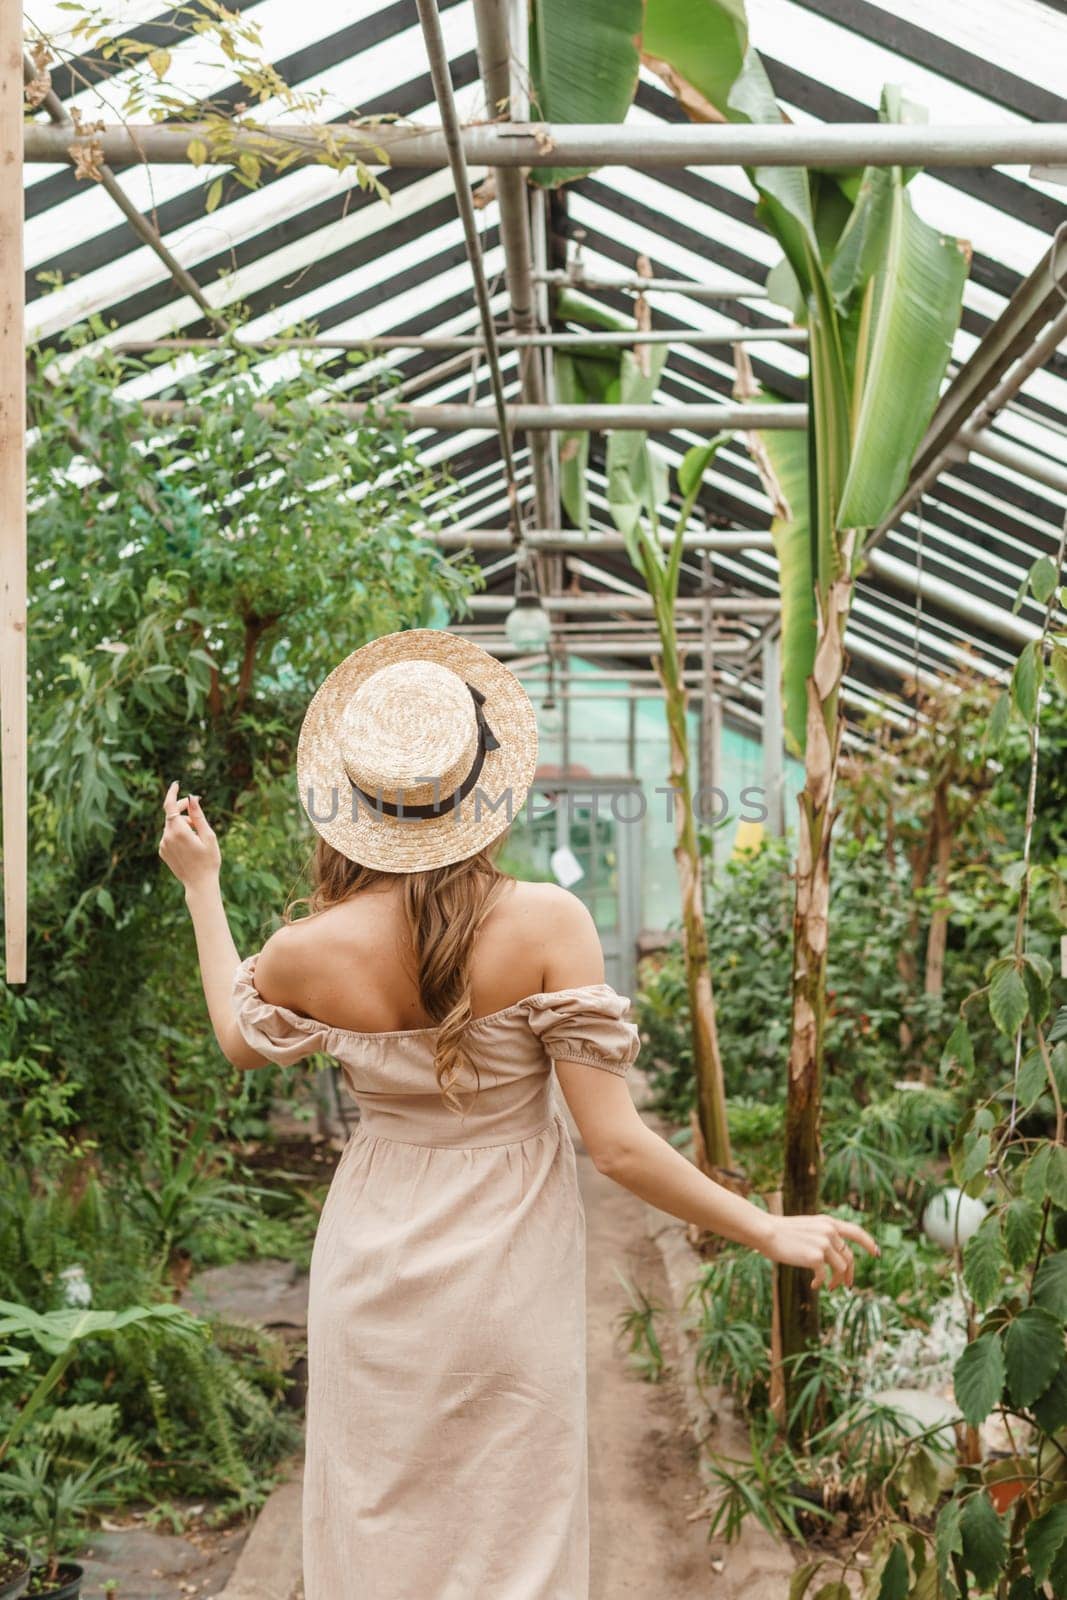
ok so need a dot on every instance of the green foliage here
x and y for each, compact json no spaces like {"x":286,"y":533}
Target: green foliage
{"x":48,"y":1489}
{"x":60,"y":1334}
{"x":193,"y":576}
{"x":638,"y":1324}
{"x":1010,"y":1147}
{"x":192,"y":580}
{"x":180,"y":1196}
{"x":748,"y":922}
{"x":931,"y":831}
{"x":765,"y":1487}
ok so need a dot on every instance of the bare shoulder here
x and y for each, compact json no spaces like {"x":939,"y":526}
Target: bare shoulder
{"x":548,"y":905}
{"x":287,"y":958}
{"x":557,"y":930}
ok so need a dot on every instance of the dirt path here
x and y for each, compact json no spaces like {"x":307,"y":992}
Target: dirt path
{"x":642,"y":1460}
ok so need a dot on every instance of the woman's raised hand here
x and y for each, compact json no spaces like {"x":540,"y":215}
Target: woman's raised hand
{"x":188,"y":846}
{"x":820,"y":1244}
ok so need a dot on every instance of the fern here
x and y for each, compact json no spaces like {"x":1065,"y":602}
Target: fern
{"x":209,"y":1374}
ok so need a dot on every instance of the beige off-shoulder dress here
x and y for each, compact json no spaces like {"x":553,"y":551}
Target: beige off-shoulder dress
{"x":446,"y":1409}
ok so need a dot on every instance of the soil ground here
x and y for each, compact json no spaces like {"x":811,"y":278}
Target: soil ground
{"x":643,"y":1479}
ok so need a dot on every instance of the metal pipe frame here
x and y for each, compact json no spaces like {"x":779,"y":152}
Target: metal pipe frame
{"x":568,"y":634}
{"x":625,"y":648}
{"x":1027,"y":463}
{"x":566,"y":631}
{"x":576,"y":543}
{"x":644,"y":419}
{"x":640,"y":418}
{"x":596,"y":419}
{"x":601,"y":675}
{"x":904,"y":577}
{"x":495,"y":60}
{"x":538,"y":200}
{"x":1035,"y":303}
{"x":698,"y":338}
{"x":537,"y":144}
{"x":725,"y":605}
{"x":441,"y":76}
{"x":574,"y":278}
{"x":631,"y":695}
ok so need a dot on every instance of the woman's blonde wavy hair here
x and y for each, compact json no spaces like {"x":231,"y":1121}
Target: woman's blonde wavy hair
{"x":445,"y":907}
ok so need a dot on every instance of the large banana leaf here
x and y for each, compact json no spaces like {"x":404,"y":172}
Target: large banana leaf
{"x":606,"y":375}
{"x":703,"y":40}
{"x":705,"y":43}
{"x":574,"y":306}
{"x":583,"y":65}
{"x":918,"y":293}
{"x":637,"y":476}
{"x":788,"y":455}
{"x":581,"y":380}
{"x":589,"y":379}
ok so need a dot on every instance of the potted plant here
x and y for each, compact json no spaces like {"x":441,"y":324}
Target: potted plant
{"x":14,"y":1568}
{"x":49,"y":1491}
{"x":1007,"y":1477}
{"x":52,"y":1494}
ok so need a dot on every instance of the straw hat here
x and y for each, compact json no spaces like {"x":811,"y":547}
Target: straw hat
{"x":418,"y":750}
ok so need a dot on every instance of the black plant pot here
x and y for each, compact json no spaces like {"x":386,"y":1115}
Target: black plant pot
{"x":66,"y":1585}
{"x":15,"y":1578}
{"x":813,"y":1495}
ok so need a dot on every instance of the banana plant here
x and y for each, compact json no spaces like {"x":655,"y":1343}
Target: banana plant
{"x":605,"y":375}
{"x":640,"y":489}
{"x":880,"y":292}
{"x":637,"y":488}
{"x":583,"y":65}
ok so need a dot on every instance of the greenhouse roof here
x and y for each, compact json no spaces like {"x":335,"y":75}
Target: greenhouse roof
{"x":310,"y":246}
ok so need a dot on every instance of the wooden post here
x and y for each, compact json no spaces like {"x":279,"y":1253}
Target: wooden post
{"x":12,"y":497}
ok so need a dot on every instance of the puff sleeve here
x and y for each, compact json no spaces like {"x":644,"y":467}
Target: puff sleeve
{"x":274,"y":1031}
{"x":588,"y":1025}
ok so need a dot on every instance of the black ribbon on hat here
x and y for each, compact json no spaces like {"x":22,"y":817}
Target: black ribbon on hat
{"x":487,"y":740}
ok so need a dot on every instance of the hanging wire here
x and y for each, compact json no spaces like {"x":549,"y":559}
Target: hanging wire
{"x":1031,"y":814}
{"x":1058,"y":239}
{"x":441,"y":76}
{"x":919,"y":544}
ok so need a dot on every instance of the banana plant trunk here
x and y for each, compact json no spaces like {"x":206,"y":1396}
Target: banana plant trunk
{"x":798,"y":1298}
{"x":711,"y":1092}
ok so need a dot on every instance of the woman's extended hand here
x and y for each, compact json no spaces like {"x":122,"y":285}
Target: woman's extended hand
{"x":188,"y":846}
{"x":821,"y":1244}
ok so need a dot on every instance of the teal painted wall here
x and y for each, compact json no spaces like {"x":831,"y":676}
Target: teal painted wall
{"x":598,"y":740}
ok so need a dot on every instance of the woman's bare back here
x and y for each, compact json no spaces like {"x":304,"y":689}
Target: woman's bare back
{"x":352,"y":965}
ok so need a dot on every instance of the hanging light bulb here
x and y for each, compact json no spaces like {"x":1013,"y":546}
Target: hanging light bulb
{"x":550,"y":719}
{"x":528,"y":626}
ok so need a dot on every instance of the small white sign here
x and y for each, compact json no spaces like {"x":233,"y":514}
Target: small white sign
{"x":566,"y":867}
